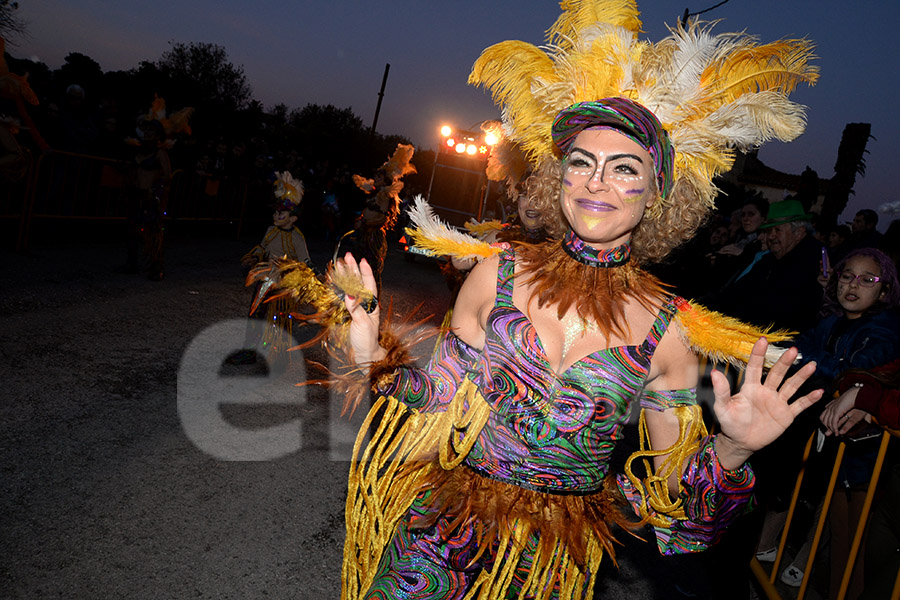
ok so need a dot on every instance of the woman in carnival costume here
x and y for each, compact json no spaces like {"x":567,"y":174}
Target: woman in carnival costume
{"x":486,"y":473}
{"x":382,"y":207}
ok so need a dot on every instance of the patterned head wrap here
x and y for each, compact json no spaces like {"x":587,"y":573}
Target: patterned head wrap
{"x":627,"y":117}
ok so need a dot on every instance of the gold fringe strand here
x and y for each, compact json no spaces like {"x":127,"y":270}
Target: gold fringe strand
{"x":395,"y":462}
{"x":656,"y":506}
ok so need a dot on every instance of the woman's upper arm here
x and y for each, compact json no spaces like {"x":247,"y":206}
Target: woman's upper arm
{"x":675,"y":367}
{"x":474,"y":302}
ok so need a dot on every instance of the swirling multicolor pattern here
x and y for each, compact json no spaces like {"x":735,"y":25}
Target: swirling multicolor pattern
{"x":435,"y":563}
{"x":713,"y":498}
{"x":587,"y":255}
{"x":547,"y":431}
{"x":432,"y":388}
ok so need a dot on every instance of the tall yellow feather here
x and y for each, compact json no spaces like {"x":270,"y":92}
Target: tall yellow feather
{"x":578,"y":15}
{"x":777,"y":66}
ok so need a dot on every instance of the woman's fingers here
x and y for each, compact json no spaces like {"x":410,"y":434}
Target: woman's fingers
{"x":756,"y":362}
{"x":776,"y":374}
{"x":830,"y":416}
{"x":367,"y":276}
{"x":795,"y":381}
{"x":721,"y":386}
{"x":804,"y":402}
{"x":851,"y":420}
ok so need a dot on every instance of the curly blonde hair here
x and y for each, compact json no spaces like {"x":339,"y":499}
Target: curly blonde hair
{"x":666,"y":224}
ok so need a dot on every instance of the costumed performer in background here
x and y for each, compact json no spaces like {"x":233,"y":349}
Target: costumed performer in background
{"x":16,"y":88}
{"x":149,"y":177}
{"x":283,"y":241}
{"x":486,"y":473}
{"x":382,"y":207}
{"x":506,"y":164}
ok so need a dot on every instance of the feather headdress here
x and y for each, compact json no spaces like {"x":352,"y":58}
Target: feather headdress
{"x":399,"y":165}
{"x":174,"y":123}
{"x":288,"y":190}
{"x":712,"y":93}
{"x":170,"y":124}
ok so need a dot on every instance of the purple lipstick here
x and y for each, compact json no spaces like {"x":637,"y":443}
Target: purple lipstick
{"x":594,"y":205}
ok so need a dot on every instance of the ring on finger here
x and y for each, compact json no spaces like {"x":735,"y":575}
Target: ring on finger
{"x":370,"y":305}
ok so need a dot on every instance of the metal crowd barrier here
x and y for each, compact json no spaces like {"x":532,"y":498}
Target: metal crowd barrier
{"x":767,"y":580}
{"x":69,"y":186}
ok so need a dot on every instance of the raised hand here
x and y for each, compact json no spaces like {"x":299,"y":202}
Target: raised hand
{"x":363,"y":334}
{"x":759,"y":412}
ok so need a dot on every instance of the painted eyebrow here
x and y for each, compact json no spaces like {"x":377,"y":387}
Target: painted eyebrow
{"x":611,"y":157}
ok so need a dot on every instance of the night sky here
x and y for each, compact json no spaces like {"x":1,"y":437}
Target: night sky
{"x":334,"y":52}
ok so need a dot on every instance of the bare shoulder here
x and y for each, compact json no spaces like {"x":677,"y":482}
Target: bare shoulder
{"x":674,"y":364}
{"x":474,"y":302}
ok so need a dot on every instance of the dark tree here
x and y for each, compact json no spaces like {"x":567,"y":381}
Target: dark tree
{"x":135,"y":88}
{"x":81,"y":70}
{"x":200,"y":75}
{"x":10,"y":24}
{"x":327,"y":131}
{"x":851,"y":161}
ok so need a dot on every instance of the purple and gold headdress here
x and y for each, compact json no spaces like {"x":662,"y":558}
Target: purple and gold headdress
{"x":288,"y":192}
{"x":711,"y":94}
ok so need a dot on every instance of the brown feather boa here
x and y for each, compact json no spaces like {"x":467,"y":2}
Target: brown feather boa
{"x":599,"y":295}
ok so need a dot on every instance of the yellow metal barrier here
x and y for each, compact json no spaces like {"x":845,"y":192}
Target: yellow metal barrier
{"x":767,"y":580}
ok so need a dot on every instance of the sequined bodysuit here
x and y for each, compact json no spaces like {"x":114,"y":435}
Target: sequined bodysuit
{"x":546,"y":432}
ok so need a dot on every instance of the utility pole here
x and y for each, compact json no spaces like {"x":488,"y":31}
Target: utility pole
{"x":387,"y":67}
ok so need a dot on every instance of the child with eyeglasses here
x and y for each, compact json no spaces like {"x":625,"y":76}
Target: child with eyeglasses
{"x":861,"y":323}
{"x":860,"y":330}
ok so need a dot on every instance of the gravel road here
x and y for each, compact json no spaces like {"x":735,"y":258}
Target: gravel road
{"x":104,"y":493}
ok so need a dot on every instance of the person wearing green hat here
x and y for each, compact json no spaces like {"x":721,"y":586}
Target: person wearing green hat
{"x":781,"y":288}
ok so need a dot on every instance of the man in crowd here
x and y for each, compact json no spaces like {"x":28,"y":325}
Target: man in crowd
{"x":781,"y":288}
{"x":863,"y":227}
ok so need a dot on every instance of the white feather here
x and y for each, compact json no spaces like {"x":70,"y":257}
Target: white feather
{"x":430,"y":226}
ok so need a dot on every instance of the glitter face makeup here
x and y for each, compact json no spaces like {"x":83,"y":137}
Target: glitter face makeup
{"x":606,"y":185}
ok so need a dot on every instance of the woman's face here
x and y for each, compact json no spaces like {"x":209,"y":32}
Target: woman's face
{"x":751,"y":218}
{"x":528,"y":214}
{"x":607,"y":182}
{"x":854,"y":297}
